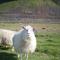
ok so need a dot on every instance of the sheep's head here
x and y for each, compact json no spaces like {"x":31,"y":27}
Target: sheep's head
{"x":28,"y":31}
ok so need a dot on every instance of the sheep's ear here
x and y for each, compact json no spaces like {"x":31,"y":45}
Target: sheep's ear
{"x":34,"y":30}
{"x":23,"y":27}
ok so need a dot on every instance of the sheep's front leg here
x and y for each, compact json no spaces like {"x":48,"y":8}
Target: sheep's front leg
{"x":21,"y":55}
{"x":26,"y":56}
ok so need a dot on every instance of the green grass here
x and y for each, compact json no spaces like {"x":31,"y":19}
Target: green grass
{"x":48,"y":43}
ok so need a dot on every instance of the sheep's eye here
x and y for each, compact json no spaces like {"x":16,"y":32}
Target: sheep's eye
{"x":26,"y":30}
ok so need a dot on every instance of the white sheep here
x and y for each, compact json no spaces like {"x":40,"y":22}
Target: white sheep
{"x":6,"y":37}
{"x":24,"y":41}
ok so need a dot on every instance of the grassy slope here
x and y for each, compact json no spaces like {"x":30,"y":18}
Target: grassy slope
{"x":48,"y":42}
{"x":26,"y":4}
{"x":35,"y":8}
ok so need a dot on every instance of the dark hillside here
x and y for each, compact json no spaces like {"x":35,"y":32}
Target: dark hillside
{"x":17,"y":9}
{"x":5,"y":1}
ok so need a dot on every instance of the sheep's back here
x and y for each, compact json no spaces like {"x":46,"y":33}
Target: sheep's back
{"x":7,"y":34}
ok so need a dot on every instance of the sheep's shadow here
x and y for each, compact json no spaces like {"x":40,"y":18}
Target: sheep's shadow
{"x":8,"y":56}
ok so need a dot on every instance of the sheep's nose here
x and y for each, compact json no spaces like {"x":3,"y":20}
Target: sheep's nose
{"x":28,"y":33}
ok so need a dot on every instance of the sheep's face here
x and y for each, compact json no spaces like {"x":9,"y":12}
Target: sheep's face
{"x":28,"y":31}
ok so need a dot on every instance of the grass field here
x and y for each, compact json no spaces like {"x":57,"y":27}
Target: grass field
{"x":48,"y":42}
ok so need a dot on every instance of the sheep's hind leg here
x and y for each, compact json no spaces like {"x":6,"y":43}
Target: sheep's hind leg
{"x":20,"y":56}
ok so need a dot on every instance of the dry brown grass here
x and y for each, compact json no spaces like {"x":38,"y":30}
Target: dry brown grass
{"x":37,"y":26}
